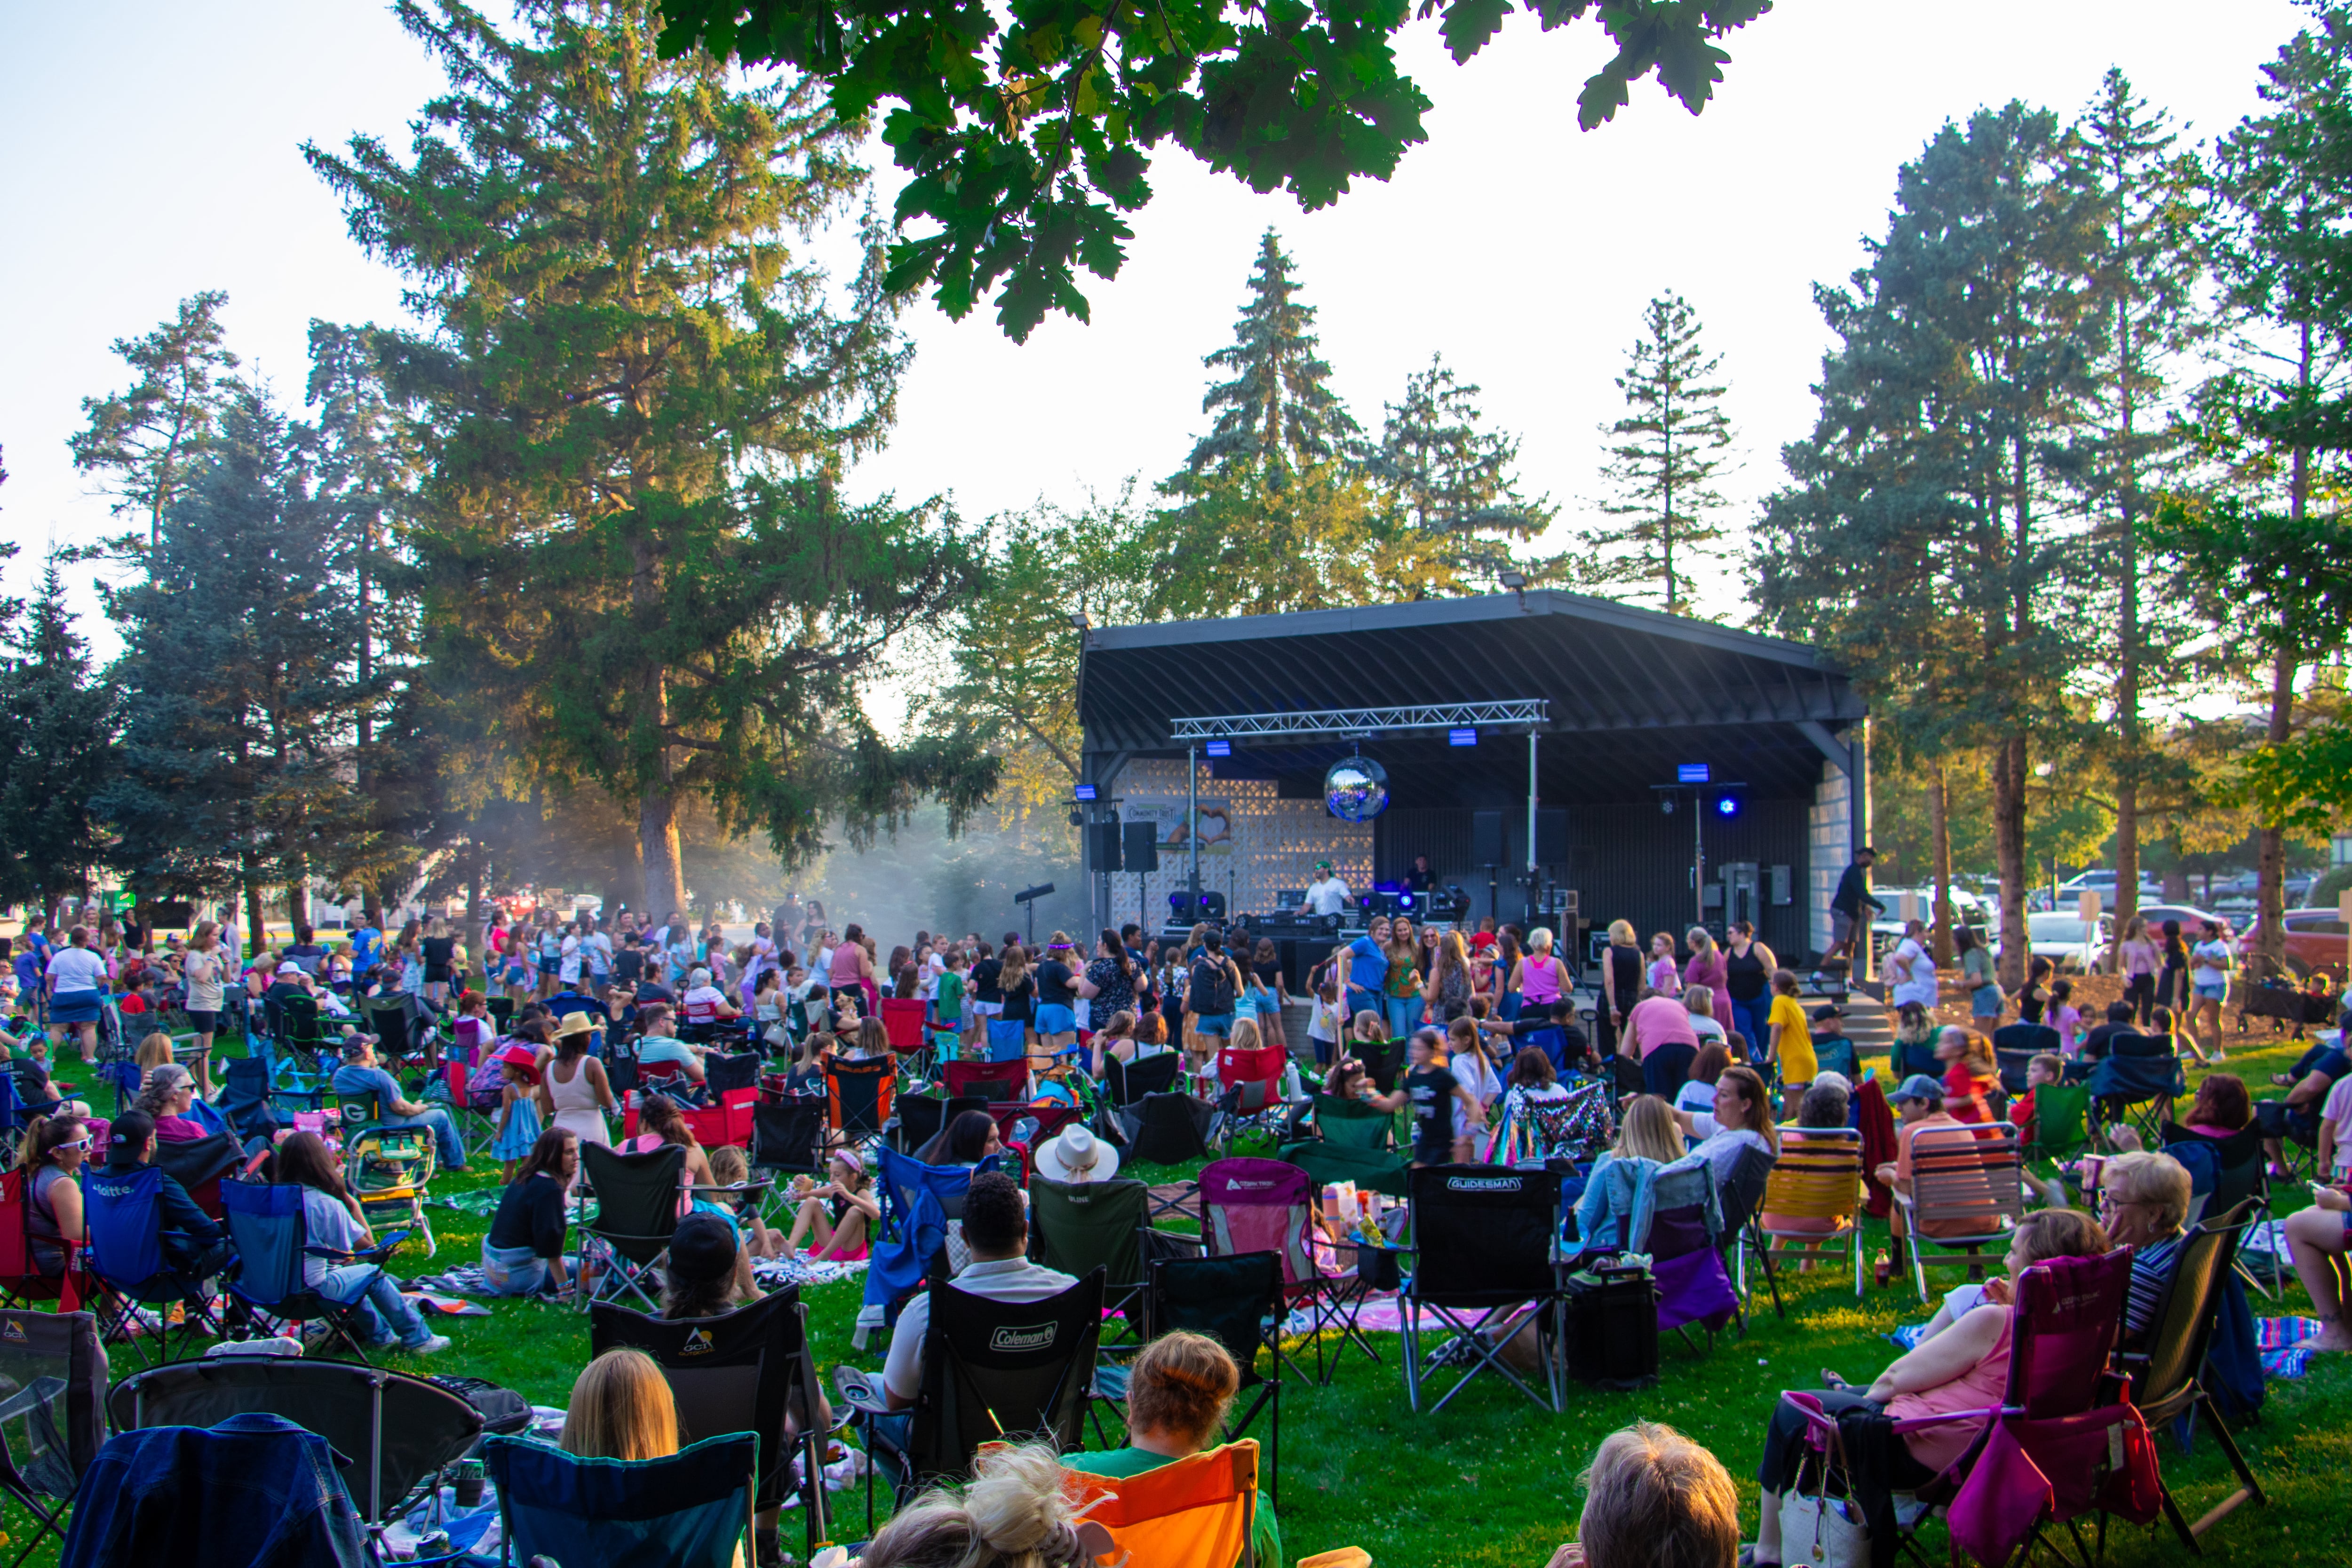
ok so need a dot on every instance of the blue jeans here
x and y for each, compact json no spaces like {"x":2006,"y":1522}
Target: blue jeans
{"x":451,"y":1148}
{"x":1403,"y":1014}
{"x":1748,"y":1017}
{"x":385,"y":1304}
{"x":1361,"y":1001}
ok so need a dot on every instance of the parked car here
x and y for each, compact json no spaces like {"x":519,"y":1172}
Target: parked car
{"x":2315,"y":939}
{"x":2103,"y":883}
{"x":1967,"y":910}
{"x":2070,"y":944}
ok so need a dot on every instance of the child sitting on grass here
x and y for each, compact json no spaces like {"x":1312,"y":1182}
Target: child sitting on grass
{"x":730,"y":1168}
{"x":840,"y":1215}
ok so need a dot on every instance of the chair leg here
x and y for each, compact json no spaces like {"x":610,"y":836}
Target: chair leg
{"x":2180,"y":1523}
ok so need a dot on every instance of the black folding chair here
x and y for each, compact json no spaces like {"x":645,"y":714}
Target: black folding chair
{"x":741,"y":1371}
{"x":1168,"y":1128}
{"x":1742,"y":1194}
{"x":1125,"y":1085}
{"x":2014,"y":1046}
{"x":2165,"y":1378}
{"x":922,"y":1118}
{"x":393,"y":1433}
{"x":1236,"y":1301}
{"x":51,"y":1419}
{"x":1383,"y":1061}
{"x":2128,"y":1086}
{"x":992,"y":1371}
{"x":788,"y":1138}
{"x":721,"y":1073}
{"x":1489,"y":1239}
{"x":636,"y":1214}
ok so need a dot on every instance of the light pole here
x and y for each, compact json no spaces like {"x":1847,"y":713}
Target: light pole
{"x":1099,"y":886}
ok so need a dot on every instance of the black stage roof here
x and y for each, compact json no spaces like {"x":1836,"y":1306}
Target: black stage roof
{"x":1633,"y":693}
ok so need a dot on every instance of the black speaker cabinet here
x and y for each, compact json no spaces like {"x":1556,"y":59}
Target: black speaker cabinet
{"x":1486,"y":839}
{"x":1142,"y":846}
{"x":1102,"y":846}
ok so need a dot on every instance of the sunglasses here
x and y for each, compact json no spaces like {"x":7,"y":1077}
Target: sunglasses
{"x":77,"y":1144}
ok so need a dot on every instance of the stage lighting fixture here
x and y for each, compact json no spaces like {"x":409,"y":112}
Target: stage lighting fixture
{"x":1666,"y":804}
{"x":1727,"y":806}
{"x":1356,"y":789}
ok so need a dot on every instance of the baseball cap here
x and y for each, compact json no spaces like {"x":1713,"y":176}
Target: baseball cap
{"x":1831,"y":1011}
{"x":1322,"y":865}
{"x":703,"y":1249}
{"x":1918,"y":1086}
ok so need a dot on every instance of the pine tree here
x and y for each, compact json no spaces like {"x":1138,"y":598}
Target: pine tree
{"x":1665,"y":457}
{"x":2150,"y":264}
{"x":57,"y":746}
{"x":146,"y":440}
{"x":1277,"y":413}
{"x":1454,"y":479}
{"x":637,"y":403}
{"x":1921,"y":543}
{"x":237,"y":675}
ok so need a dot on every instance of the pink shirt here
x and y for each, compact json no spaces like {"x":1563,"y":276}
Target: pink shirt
{"x":1539,"y":979}
{"x":1711,"y":972}
{"x":1660,"y":1021}
{"x":1979,"y":1388}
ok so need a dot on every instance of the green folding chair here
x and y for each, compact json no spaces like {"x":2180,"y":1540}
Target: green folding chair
{"x":1352,"y":1124}
{"x":2062,"y":1121}
{"x":1372,"y":1170}
{"x":1086,"y":1226}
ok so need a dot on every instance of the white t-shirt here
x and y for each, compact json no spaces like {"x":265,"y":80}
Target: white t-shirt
{"x":76,"y":969}
{"x":1000,"y":1279}
{"x":1695,"y":1095}
{"x":2337,"y":1108}
{"x":1918,"y":983}
{"x":1327,"y":897}
{"x":2212,"y":961}
{"x":200,"y":971}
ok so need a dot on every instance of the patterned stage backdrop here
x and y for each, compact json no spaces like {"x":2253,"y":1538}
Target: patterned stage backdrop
{"x":1251,"y":843}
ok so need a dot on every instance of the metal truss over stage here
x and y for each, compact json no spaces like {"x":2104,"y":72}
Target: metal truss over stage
{"x":1359,"y":720}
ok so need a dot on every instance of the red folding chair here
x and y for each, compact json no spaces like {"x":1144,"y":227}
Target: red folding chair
{"x":2064,"y":1440}
{"x":973,"y":1080}
{"x":1249,"y":1092}
{"x":21,"y":1280}
{"x":902,"y":1020}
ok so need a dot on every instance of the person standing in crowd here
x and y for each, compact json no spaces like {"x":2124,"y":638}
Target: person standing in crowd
{"x":202,"y":976}
{"x":2141,"y":958}
{"x":1909,"y":971}
{"x":1367,"y":969}
{"x":1267,"y":983}
{"x":1505,"y":956}
{"x":1663,"y":976}
{"x":1059,"y":987}
{"x":2210,"y":979}
{"x":1327,"y":895}
{"x":853,"y":969}
{"x":76,"y":980}
{"x":1538,"y":979}
{"x":1848,"y":925}
{"x":1400,"y":984}
{"x":1977,"y":976}
{"x":1451,"y":986}
{"x":1747,"y":967}
{"x":1620,"y":987}
{"x":2172,"y":976}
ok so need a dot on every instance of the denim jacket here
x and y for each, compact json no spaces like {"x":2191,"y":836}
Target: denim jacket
{"x":1616,"y":1202}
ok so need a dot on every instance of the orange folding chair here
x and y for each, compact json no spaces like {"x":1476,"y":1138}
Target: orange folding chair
{"x":1192,"y":1513}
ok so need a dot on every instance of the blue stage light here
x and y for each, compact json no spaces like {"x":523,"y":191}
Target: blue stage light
{"x":1727,"y":806}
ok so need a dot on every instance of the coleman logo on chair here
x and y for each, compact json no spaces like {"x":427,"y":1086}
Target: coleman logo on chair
{"x":1481,"y":1183}
{"x":698,"y":1343}
{"x":1037,"y":1337}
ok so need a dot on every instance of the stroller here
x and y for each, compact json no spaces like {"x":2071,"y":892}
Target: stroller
{"x":388,"y":1169}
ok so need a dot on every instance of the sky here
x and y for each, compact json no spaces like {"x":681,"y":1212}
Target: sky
{"x":155,"y":150}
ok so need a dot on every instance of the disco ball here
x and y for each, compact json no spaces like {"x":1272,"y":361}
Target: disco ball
{"x":1356,"y":790}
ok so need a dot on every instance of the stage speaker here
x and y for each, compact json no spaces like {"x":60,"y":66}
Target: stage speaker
{"x":1102,"y":846}
{"x":1486,"y":839}
{"x":1552,"y":837}
{"x":1142,"y":846}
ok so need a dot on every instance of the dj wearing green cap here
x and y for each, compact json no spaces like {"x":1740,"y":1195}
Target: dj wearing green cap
{"x":1327,"y":895}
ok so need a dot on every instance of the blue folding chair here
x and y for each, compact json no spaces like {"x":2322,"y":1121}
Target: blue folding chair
{"x":1008,"y":1041}
{"x":16,"y":1112}
{"x":917,"y":1200}
{"x":126,"y":1259}
{"x":2137,"y":1088}
{"x":272,"y":1239}
{"x":691,"y":1509}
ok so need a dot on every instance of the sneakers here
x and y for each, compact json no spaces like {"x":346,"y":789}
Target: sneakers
{"x":428,"y":1346}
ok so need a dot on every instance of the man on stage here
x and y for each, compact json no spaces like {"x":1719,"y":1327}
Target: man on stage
{"x":1327,"y":895}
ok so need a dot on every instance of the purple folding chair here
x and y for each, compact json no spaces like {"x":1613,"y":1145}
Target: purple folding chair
{"x":2048,"y":1453}
{"x":1269,"y":1206}
{"x":1687,"y":1217}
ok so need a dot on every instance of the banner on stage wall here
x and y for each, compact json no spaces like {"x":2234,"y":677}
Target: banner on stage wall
{"x":1215,"y":824}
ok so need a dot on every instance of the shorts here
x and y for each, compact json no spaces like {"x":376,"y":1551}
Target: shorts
{"x":987,"y":1009}
{"x":1840,"y":926}
{"x":1056,"y":1019}
{"x":1985,"y":1002}
{"x":74,"y":1007}
{"x":1217,"y":1024}
{"x":2213,"y":992}
{"x":548,"y":966}
{"x":204,"y":1022}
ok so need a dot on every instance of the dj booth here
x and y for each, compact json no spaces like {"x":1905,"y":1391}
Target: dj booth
{"x":1301,"y":940}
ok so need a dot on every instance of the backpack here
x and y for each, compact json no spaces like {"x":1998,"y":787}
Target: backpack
{"x":1212,"y":991}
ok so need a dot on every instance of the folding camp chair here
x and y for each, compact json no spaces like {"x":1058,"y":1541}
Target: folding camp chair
{"x":1966,"y":1180}
{"x":23,"y":1281}
{"x":2014,"y":1046}
{"x":1351,"y":1123}
{"x":247,"y":1101}
{"x":1168,"y":1128}
{"x":739,"y":1372}
{"x":724,"y":1073}
{"x":788,"y":1139}
{"x":250,"y":1491}
{"x":1686,"y":1219}
{"x":302,"y":1036}
{"x":1236,"y":1302}
{"x":688,"y":1510}
{"x":984,"y":1081}
{"x":51,"y":1419}
{"x":1126,"y":1083}
{"x":2061,"y":1121}
{"x":2049,"y":1451}
{"x":1743,"y":1201}
{"x":2137,"y":1080}
{"x":1488,"y":1268}
{"x":388,"y":1170}
{"x":125,"y":1259}
{"x":2239,"y":1178}
{"x":2166,"y":1377}
{"x":15,"y":1115}
{"x":858,"y":1096}
{"x":1837,"y":1054}
{"x":266,"y":1226}
{"x":1266,"y":1206}
{"x":1249,"y":1092}
{"x":393,"y":1433}
{"x":1372,"y":1170}
{"x":922,"y":1118}
{"x":902,"y":1021}
{"x":478,"y":1128}
{"x":991,"y":1370}
{"x":1816,"y":1181}
{"x":1197,"y":1510}
{"x":200,"y":1165}
{"x":911,"y":1239}
{"x":1087,"y":1226}
{"x":637,"y":1199}
{"x":1383,"y":1061}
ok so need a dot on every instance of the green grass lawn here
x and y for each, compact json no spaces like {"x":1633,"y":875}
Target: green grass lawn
{"x":1490,"y":1482}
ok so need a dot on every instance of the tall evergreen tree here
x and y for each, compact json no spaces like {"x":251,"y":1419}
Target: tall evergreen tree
{"x":237,"y":675}
{"x":1922,"y":541}
{"x":144,"y":441}
{"x":637,"y":403}
{"x":1665,"y":456}
{"x":1454,"y":478}
{"x":56,"y":747}
{"x":2149,"y":261}
{"x":2283,"y":181}
{"x":1276,"y":414}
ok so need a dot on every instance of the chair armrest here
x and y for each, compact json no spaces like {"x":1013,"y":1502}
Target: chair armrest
{"x":860,"y":1392}
{"x":1169,"y":1244}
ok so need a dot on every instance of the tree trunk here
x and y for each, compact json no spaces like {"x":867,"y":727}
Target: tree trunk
{"x":2270,"y":841}
{"x":1939,"y":854}
{"x":256,"y":929}
{"x":658,"y":841}
{"x":2008,"y":776}
{"x":297,"y":894}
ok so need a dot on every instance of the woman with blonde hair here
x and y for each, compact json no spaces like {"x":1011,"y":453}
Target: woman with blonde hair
{"x":202,"y":972}
{"x":1621,"y":985}
{"x":621,"y":1409}
{"x":1647,"y":1138}
{"x":1451,"y":982}
{"x":1178,"y":1391}
{"x":1400,"y":991}
{"x":1018,"y":1511}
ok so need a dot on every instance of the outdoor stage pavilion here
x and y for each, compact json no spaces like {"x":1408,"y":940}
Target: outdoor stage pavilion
{"x":1532,"y":743}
